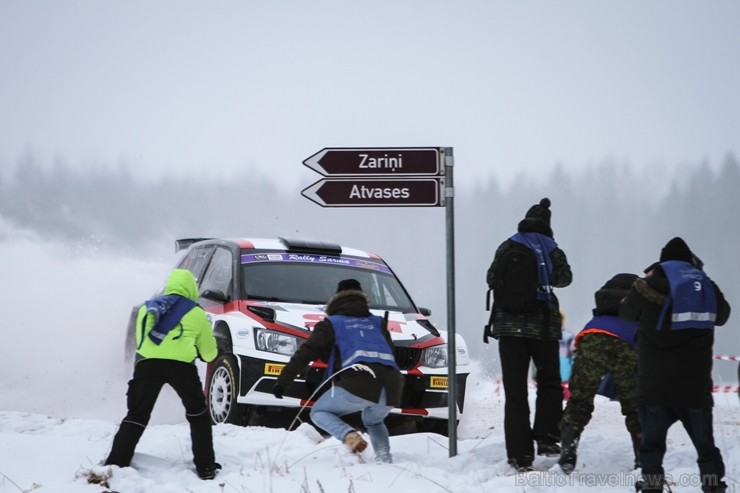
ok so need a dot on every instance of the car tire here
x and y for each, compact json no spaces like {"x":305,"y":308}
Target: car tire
{"x":222,"y":391}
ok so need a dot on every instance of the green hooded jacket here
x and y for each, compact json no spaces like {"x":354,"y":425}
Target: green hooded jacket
{"x":196,"y":337}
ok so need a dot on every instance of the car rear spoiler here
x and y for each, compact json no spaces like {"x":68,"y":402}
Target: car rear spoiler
{"x":183,"y":243}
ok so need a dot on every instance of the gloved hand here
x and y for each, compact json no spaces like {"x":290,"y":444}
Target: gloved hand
{"x":278,"y":391}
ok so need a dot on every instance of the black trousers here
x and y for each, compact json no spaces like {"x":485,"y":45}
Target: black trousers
{"x":516,"y":354}
{"x":143,"y":389}
{"x":655,"y":422}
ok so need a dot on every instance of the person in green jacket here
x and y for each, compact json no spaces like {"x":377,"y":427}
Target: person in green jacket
{"x":171,"y":331}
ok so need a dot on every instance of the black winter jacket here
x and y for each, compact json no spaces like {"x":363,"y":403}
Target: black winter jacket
{"x":321,"y":343}
{"x":545,"y":325}
{"x":674,"y":366}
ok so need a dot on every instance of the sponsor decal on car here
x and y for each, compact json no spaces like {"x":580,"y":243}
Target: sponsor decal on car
{"x":311,"y":319}
{"x":368,"y":264}
{"x":437,"y":382}
{"x":273,"y":368}
{"x":242,"y":333}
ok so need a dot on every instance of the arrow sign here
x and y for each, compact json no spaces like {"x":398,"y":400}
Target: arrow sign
{"x":377,"y":161}
{"x":374,"y":193}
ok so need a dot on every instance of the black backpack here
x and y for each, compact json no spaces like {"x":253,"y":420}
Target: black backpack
{"x":515,"y":280}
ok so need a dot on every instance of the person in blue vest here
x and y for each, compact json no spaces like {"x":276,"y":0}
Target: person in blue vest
{"x":365,"y":378}
{"x":606,"y":344}
{"x":677,"y":307}
{"x":529,"y":333}
{"x":172,"y":330}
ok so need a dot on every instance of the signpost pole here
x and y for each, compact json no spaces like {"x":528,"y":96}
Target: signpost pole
{"x":395,"y":177}
{"x":449,"y":193}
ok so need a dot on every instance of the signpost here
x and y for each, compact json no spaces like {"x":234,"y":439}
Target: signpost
{"x":396,"y":177}
{"x":373,"y":161}
{"x":358,"y":192}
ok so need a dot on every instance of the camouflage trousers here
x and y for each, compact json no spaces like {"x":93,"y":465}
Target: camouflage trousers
{"x":596,"y":355}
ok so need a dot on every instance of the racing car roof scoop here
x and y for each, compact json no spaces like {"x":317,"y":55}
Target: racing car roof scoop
{"x":309,"y":246}
{"x":264,"y":312}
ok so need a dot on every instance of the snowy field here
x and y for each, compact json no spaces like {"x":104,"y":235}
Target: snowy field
{"x":63,"y":383}
{"x":47,"y":453}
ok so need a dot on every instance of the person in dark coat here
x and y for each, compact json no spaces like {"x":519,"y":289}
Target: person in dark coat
{"x":359,"y":352}
{"x":606,"y":344}
{"x":677,"y":307}
{"x":532,"y":337}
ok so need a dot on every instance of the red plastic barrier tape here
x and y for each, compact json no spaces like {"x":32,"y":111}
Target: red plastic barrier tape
{"x":717,"y":389}
{"x":727,"y":358}
{"x":725,"y":389}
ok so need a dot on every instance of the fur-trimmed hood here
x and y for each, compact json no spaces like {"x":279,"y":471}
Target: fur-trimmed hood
{"x":351,"y":302}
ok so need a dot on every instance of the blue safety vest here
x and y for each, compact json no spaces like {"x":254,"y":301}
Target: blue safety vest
{"x":360,"y":340}
{"x":613,"y":325}
{"x":692,"y":299}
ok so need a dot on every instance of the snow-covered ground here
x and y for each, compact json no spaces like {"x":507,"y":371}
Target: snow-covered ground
{"x":63,"y":384}
{"x":47,"y":453}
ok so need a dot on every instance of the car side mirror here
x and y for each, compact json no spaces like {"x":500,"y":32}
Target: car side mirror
{"x":215,"y":295}
{"x":425,"y":311}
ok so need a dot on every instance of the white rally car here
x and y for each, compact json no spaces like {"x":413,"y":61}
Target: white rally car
{"x":264,"y":296}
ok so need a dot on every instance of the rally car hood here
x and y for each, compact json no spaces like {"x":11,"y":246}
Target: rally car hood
{"x":406,"y":329}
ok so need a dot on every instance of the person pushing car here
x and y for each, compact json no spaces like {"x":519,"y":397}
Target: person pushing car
{"x":365,"y":378}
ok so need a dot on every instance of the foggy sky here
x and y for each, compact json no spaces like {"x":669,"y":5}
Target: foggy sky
{"x":126,"y":125}
{"x":210,"y":89}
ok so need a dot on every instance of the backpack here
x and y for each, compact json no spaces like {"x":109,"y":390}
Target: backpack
{"x":515,"y":280}
{"x":167,"y":311}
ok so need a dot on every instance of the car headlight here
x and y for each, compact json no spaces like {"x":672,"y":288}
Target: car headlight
{"x":276,"y":342}
{"x":435,"y":357}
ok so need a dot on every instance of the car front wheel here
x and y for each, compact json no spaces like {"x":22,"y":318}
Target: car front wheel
{"x":223,"y":389}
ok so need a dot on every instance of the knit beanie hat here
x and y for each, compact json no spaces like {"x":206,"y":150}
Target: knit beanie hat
{"x":676,"y":249}
{"x":349,"y":284}
{"x":540,"y":211}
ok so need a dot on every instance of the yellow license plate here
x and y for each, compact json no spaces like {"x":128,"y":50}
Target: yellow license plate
{"x":438,"y":382}
{"x":273,"y":368}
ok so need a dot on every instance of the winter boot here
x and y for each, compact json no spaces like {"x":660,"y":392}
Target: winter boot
{"x":569,"y":437}
{"x":209,"y":472}
{"x":720,"y":487}
{"x":548,"y":448}
{"x":636,"y":438}
{"x":354,"y":442}
{"x":651,"y":483}
{"x":641,"y":488}
{"x":523,"y":464}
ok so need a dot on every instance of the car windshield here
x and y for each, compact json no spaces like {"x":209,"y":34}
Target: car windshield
{"x":313,"y":279}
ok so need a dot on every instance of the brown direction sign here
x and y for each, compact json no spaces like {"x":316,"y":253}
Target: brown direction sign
{"x":374,"y":192}
{"x":377,"y":161}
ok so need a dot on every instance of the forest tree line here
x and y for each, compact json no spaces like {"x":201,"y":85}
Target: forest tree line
{"x":608,"y":218}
